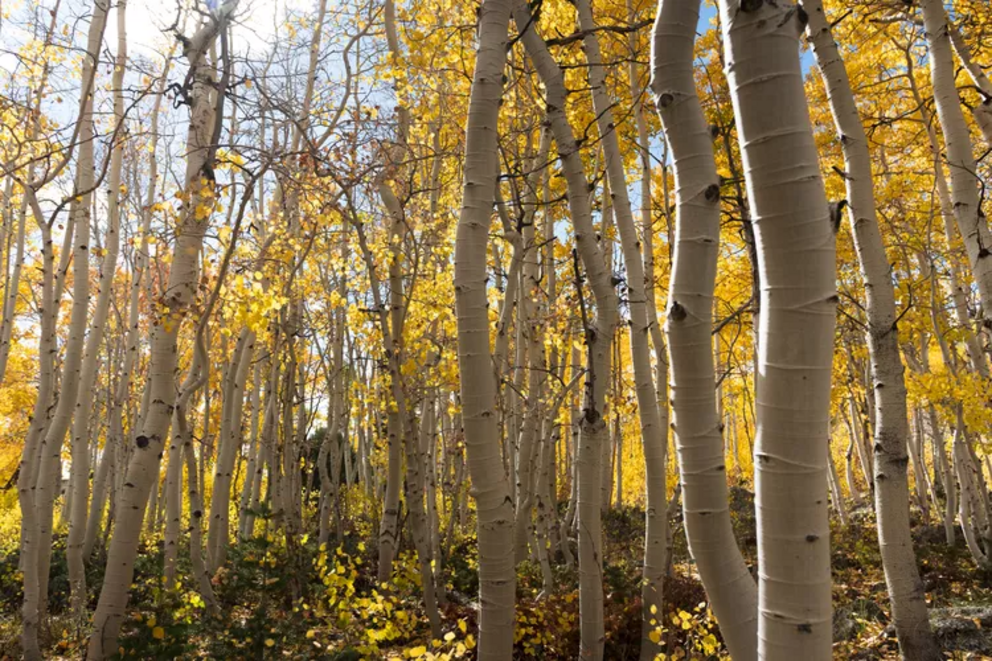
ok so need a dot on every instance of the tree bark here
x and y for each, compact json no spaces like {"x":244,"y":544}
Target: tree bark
{"x":731,"y":590}
{"x":88,"y":371}
{"x":182,"y":283}
{"x":796,"y":260}
{"x":497,"y":580}
{"x":964,"y":181}
{"x":905,"y":588}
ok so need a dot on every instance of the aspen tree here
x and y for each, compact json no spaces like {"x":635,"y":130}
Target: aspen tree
{"x":253,"y":468}
{"x":334,"y":373}
{"x":643,"y":317}
{"x":80,"y":209}
{"x":390,"y":323}
{"x":196,"y":378}
{"x":921,"y":477}
{"x":115,"y":430}
{"x":982,"y":112}
{"x":229,"y":446}
{"x":416,"y":465}
{"x":729,"y":585}
{"x":494,"y":504}
{"x":30,"y":460}
{"x":835,"y":494}
{"x":200,"y":570}
{"x":12,"y":284}
{"x":656,"y":455}
{"x":529,"y":338}
{"x":11,"y":280}
{"x":599,"y":331}
{"x":958,"y":502}
{"x":958,"y":278}
{"x":909,"y":608}
{"x":80,"y":436}
{"x":340,"y":389}
{"x":397,"y":416}
{"x":183,"y":277}
{"x":796,"y":260}
{"x":967,"y":210}
{"x":173,"y":507}
{"x":547,"y":507}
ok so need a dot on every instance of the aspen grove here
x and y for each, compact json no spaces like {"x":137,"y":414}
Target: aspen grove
{"x":502,"y":329}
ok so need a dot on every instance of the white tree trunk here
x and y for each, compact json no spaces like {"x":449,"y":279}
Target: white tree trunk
{"x":964,"y":181}
{"x":599,"y":331}
{"x":30,"y":460}
{"x":906,"y":594}
{"x":88,"y":372}
{"x":732,"y":592}
{"x":182,"y":283}
{"x":796,"y":260}
{"x":835,"y":493}
{"x":80,"y":210}
{"x":494,"y":504}
{"x":957,"y":277}
{"x":642,"y":316}
{"x":982,"y":112}
{"x":229,"y":447}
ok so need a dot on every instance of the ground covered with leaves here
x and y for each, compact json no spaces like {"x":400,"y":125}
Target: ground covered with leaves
{"x":324,"y":603}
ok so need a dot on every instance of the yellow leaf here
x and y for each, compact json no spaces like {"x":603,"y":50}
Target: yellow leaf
{"x":158,"y":633}
{"x":269,"y":642}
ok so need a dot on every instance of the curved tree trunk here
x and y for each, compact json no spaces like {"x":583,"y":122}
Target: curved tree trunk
{"x":80,"y":210}
{"x":653,"y":435}
{"x":182,"y":283}
{"x":497,"y":580}
{"x":906,"y":594}
{"x":229,"y":446}
{"x":30,"y":459}
{"x":796,"y":259}
{"x":964,"y":181}
{"x":982,"y":112}
{"x":598,"y":331}
{"x":88,"y":371}
{"x":731,"y":590}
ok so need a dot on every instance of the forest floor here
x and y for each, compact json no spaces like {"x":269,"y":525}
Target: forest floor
{"x":314,"y":604}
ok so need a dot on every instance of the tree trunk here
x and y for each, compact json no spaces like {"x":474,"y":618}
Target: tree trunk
{"x":796,"y":259}
{"x":182,"y":283}
{"x":982,"y":112}
{"x":906,"y":594}
{"x":964,"y":182}
{"x":88,"y":371}
{"x":80,"y":212}
{"x":229,"y":447}
{"x":599,"y":332}
{"x":497,"y":580}
{"x":731,"y":590}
